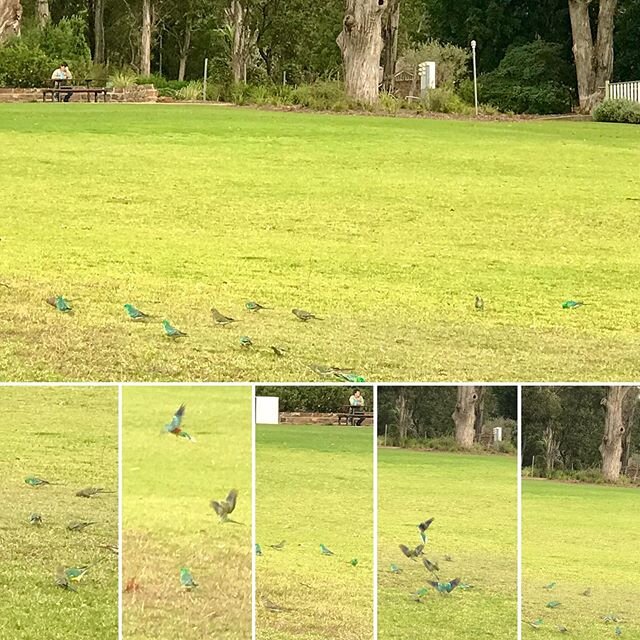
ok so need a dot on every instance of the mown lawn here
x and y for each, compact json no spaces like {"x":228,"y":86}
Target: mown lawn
{"x":581,"y":537}
{"x":474,"y":502}
{"x":384,"y":227}
{"x":68,"y":436}
{"x":168,"y":483}
{"x":314,"y":486}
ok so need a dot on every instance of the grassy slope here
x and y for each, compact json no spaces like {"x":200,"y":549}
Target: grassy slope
{"x":580,"y":537}
{"x":387,"y":227}
{"x":315,"y":485}
{"x":68,"y":436}
{"x":473,"y":500}
{"x":168,"y":523}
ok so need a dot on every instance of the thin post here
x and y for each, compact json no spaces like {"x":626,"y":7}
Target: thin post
{"x":204,"y":82}
{"x":475,"y":75}
{"x":607,"y":89}
{"x":284,"y":78}
{"x":386,"y":427}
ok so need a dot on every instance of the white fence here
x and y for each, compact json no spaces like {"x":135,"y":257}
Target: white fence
{"x":626,"y":90}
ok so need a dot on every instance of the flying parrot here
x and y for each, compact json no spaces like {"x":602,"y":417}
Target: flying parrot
{"x":412,"y":553}
{"x":423,"y":526}
{"x":224,"y":507}
{"x":175,"y":426}
{"x":431,"y":567}
{"x":445,"y":587}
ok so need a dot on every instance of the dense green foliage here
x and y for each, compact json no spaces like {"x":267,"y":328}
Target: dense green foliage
{"x":623,"y":111}
{"x":431,"y":409}
{"x":321,"y":399}
{"x":531,"y":78}
{"x":574,"y":418}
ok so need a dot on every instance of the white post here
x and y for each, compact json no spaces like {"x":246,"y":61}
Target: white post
{"x":475,"y":75}
{"x":284,"y":78}
{"x":204,"y":81}
{"x":607,"y":89}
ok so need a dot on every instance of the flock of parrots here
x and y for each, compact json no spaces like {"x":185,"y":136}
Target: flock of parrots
{"x":68,"y":577}
{"x":219,"y":319}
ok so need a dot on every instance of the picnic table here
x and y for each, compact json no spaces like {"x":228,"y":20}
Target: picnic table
{"x":59,"y":88}
{"x":351,"y":415}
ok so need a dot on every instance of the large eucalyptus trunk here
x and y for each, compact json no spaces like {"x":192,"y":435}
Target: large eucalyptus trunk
{"x":237,"y":15}
{"x":10,"y":19}
{"x":614,"y":432}
{"x":43,"y":15}
{"x":390,"y":24}
{"x":360,"y":42}
{"x":98,"y":28}
{"x":185,"y":45}
{"x":145,"y":39}
{"x":594,"y":60}
{"x":478,"y":420}
{"x":464,"y":416}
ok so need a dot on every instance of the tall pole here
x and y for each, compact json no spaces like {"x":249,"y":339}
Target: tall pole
{"x":204,"y":82}
{"x":475,"y":75}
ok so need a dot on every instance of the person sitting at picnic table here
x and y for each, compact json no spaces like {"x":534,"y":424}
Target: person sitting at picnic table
{"x":356,"y":402}
{"x":59,"y":77}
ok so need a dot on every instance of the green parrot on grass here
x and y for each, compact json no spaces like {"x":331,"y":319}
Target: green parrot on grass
{"x":325,"y":551}
{"x":34,"y":481}
{"x":280,"y":352}
{"x":224,"y":507}
{"x":75,"y":574}
{"x":445,"y":587}
{"x":62,"y":305}
{"x":135,"y":313}
{"x":420,"y":593}
{"x":219,"y":318}
{"x":549,"y":586}
{"x":251,"y":305}
{"x":479,"y":304}
{"x":618,"y":631}
{"x":89,"y":492}
{"x":353,"y":562}
{"x":536,"y":624}
{"x":171,"y":332}
{"x":279,"y":546}
{"x":258,"y":549}
{"x":175,"y":426}
{"x":554,"y":604}
{"x":186,"y":579}
{"x":572,"y":304}
{"x":246,"y":342}
{"x":395,"y":569}
{"x":62,"y":580}
{"x":348,"y":377}
{"x":35,"y":519}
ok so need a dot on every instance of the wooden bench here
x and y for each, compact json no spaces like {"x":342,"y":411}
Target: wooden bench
{"x":63,"y":90}
{"x":351,"y":415}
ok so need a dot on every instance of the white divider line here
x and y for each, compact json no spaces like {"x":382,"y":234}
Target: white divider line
{"x":253,"y":512}
{"x":374,"y":391}
{"x":120,"y":510}
{"x":519,"y":484}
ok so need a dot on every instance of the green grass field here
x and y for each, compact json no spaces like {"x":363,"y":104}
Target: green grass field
{"x":68,"y":436}
{"x":385,"y":227}
{"x":581,"y":537}
{"x":168,"y":483}
{"x":314,"y":486}
{"x":474,"y":502}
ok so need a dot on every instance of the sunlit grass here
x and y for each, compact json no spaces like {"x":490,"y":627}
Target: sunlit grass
{"x":68,"y":436}
{"x":385,"y":227}
{"x":473,"y":500}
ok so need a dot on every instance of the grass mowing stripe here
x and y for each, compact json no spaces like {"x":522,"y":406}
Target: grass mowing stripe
{"x":314,"y":486}
{"x":473,"y":501}
{"x":168,"y":522}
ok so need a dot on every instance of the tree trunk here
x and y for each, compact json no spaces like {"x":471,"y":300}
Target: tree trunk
{"x":464,"y":416}
{"x":614,"y":431}
{"x":43,"y":15}
{"x":184,"y":50}
{"x":241,"y":39}
{"x":10,"y":18}
{"x":145,"y":39}
{"x":361,"y":45}
{"x":390,"y":23}
{"x":594,"y":62}
{"x":98,"y":28}
{"x":478,"y":421}
{"x":404,"y":414}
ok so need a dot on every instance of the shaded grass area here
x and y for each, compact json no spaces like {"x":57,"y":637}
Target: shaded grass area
{"x":168,"y":483}
{"x":582,"y":537}
{"x":314,"y":486}
{"x":68,"y":436}
{"x":474,"y":502}
{"x":385,"y":227}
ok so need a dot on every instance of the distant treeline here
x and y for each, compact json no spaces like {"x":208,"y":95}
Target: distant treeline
{"x":315,"y":399}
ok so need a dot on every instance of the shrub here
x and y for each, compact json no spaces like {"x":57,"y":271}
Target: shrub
{"x":191,"y":92}
{"x":390,"y":103}
{"x":322,"y":96}
{"x":29,"y":60}
{"x":452,"y":63}
{"x":122,"y":79}
{"x":443,"y":100}
{"x":624,"y":111}
{"x":531,"y":78}
{"x":158,"y":81}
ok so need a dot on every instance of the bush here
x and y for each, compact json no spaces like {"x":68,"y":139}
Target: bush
{"x":532,"y":78}
{"x":443,"y":100}
{"x":29,"y":60}
{"x":624,"y":111}
{"x":321,"y":96}
{"x":191,"y":92}
{"x":452,"y":63}
{"x":122,"y":79}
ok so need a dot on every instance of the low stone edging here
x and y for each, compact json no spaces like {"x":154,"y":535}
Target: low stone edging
{"x":136,"y":93}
